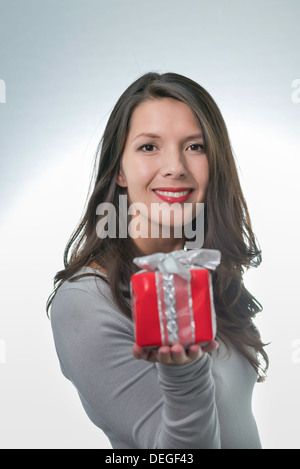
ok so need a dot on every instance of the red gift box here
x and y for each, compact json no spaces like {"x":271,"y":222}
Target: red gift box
{"x":170,"y":308}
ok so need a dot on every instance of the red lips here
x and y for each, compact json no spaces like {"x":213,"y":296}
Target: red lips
{"x":168,"y":198}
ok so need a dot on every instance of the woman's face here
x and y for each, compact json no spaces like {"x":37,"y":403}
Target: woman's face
{"x":164,"y":159}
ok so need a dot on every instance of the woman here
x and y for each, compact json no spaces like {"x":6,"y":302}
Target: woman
{"x":165,"y":141}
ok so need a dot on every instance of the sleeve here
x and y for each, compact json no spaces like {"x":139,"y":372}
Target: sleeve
{"x":136,"y":403}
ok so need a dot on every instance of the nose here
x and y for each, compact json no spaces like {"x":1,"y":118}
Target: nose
{"x":174,"y":165}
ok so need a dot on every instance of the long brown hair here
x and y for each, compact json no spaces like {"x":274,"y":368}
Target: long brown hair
{"x":227,"y":221}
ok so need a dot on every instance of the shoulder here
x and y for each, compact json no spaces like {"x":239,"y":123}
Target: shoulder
{"x":87,"y":278}
{"x":87,"y":299}
{"x":87,"y":325}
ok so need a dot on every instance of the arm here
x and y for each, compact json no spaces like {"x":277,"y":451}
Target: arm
{"x":138,"y":403}
{"x":189,"y":415}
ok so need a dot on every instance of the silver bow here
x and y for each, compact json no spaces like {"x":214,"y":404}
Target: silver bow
{"x":180,"y":262}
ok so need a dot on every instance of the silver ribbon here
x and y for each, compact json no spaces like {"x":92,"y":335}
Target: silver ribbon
{"x":170,"y":308}
{"x":180,"y":262}
{"x":176,"y":262}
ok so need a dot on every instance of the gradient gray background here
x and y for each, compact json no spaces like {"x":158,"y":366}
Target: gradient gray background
{"x":65,"y":63}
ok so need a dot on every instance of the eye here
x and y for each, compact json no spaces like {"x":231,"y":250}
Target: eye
{"x":148,"y":147}
{"x":197,"y":147}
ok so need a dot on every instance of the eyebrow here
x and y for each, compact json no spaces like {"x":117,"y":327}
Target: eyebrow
{"x":150,"y":135}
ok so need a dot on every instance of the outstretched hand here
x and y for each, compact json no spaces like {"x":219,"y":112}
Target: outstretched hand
{"x":173,"y":355}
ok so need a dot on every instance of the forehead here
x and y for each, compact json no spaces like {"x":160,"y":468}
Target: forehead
{"x":163,"y":114}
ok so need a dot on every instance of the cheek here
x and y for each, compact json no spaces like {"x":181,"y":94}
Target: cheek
{"x":137,"y":184}
{"x":140,"y":175}
{"x":201,"y":172}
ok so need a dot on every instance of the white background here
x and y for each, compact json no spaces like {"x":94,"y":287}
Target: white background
{"x":65,"y":63}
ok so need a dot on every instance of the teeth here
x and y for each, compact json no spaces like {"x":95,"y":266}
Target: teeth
{"x":172,"y":194}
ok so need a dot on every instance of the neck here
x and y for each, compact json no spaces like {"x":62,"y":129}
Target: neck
{"x":152,"y":245}
{"x":151,"y":237}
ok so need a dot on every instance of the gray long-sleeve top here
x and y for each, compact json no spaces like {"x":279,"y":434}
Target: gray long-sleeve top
{"x":203,"y":404}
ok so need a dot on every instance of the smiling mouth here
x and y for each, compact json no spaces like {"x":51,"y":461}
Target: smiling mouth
{"x":172,"y":195}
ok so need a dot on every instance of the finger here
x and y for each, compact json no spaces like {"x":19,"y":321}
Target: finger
{"x":194,"y":352}
{"x":210,"y":346}
{"x":164,"y":355}
{"x":178,"y":354}
{"x":139,"y":352}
